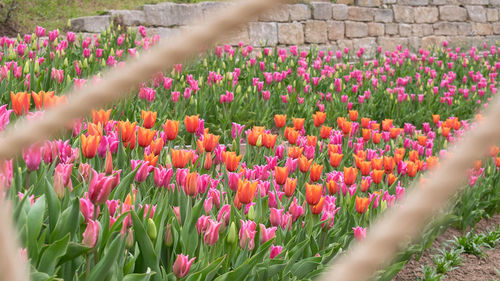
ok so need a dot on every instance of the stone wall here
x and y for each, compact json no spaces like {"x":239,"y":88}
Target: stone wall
{"x":353,"y":24}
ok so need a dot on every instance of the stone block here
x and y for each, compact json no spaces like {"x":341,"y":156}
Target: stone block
{"x":390,"y":2}
{"x":368,"y":44}
{"x":463,"y":42}
{"x":422,"y":29}
{"x":299,"y":12}
{"x":290,"y":33}
{"x":169,"y":14}
{"x":391,"y":28}
{"x":237,"y":36}
{"x":414,"y":2}
{"x":464,"y":28}
{"x":496,"y":27}
{"x":263,"y":33}
{"x":279,"y":14}
{"x":321,"y":11}
{"x":346,"y":2}
{"x":91,"y":24}
{"x":405,"y":29}
{"x":452,"y":13}
{"x":492,"y":14}
{"x":482,"y":28}
{"x":390,"y":43}
{"x":128,"y":17}
{"x":426,"y":14}
{"x":356,"y":29}
{"x":164,"y":32}
{"x":375,"y":29}
{"x":445,"y":28}
{"x":383,"y":15}
{"x":339,"y":11}
{"x":432,"y":41}
{"x":414,"y":43}
{"x":360,"y":14}
{"x":316,"y":31}
{"x":344,"y":43}
{"x":336,"y":30}
{"x":210,"y":9}
{"x":476,"y":13}
{"x":473,"y":2}
{"x":404,"y":14}
{"x":494,"y":3}
{"x":369,"y":3}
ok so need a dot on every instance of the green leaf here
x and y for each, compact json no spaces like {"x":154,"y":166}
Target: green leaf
{"x":74,"y":250}
{"x":34,"y":226}
{"x":145,"y":244}
{"x":208,"y":272}
{"x":104,"y":266}
{"x":305,"y":266}
{"x":53,"y":205}
{"x":120,"y":191}
{"x":139,"y":276}
{"x":52,"y":254}
{"x":68,"y":223}
{"x":41,"y":276}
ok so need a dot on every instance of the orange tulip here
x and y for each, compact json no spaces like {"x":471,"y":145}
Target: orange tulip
{"x":341,"y":121}
{"x":231,"y":160}
{"x":361,"y":154}
{"x":43,"y":99}
{"x":208,"y":161}
{"x":377,"y":163}
{"x":171,"y":129}
{"x":318,"y":208}
{"x":367,"y":134}
{"x":332,"y":186}
{"x":365,"y":122}
{"x":346,"y":128}
{"x":108,"y":164}
{"x":156,"y":146}
{"x":362,"y":204}
{"x":269,"y":140}
{"x":151,"y":158}
{"x":313,"y":193}
{"x":445,"y":131}
{"x":394,"y":132}
{"x":387,"y":124}
{"x":89,"y":145}
{"x":413,"y":155}
{"x":325,"y":132}
{"x":333,"y":148}
{"x":376,"y":138}
{"x":391,"y":178}
{"x":304,"y":164}
{"x":101,"y":116}
{"x":280,"y":120}
{"x":318,"y":118}
{"x":289,"y":187}
{"x":255,"y":134}
{"x":377,"y":176}
{"x":127,"y":130}
{"x":335,"y":159}
{"x":365,"y":167}
{"x":350,"y":175}
{"x":145,"y":136}
{"x":246,"y":191}
{"x":494,"y":150}
{"x":210,"y":141}
{"x":497,"y":161}
{"x":399,"y":154}
{"x":411,"y":169}
{"x":292,"y":136}
{"x":422,"y":140}
{"x":312,"y":140}
{"x":365,"y":185}
{"x":477,"y":164}
{"x":316,"y":170}
{"x":389,"y":164}
{"x":180,"y":158}
{"x":435,"y":118}
{"x":280,"y":174}
{"x":192,"y":184}
{"x":375,"y":126}
{"x":353,"y":115}
{"x":432,"y":161}
{"x":191,"y":123}
{"x":298,"y":123}
{"x":295,"y":151}
{"x":94,"y":129}
{"x":20,"y":102}
{"x":149,"y":118}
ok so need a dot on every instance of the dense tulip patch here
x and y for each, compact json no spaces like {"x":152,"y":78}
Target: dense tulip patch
{"x":243,"y":165}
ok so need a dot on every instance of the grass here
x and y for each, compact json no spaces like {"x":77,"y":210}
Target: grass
{"x":53,"y":14}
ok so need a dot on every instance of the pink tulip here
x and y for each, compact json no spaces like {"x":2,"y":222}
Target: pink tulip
{"x":275,"y":250}
{"x":182,"y":265}
{"x":87,"y":209}
{"x":212,"y":234}
{"x":33,"y":156}
{"x":266,"y":234}
{"x":202,"y":224}
{"x":162,"y":176}
{"x":91,"y":233}
{"x":6,"y":173}
{"x":359,"y":233}
{"x":62,"y":178}
{"x":275,"y":216}
{"x":100,"y":187}
{"x":247,"y":234}
{"x":143,"y":171}
{"x":4,"y":116}
{"x":224,"y":214}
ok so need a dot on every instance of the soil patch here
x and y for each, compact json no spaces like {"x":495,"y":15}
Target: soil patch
{"x":7,"y":30}
{"x":472,"y":268}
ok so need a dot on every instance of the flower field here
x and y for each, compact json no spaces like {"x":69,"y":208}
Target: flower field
{"x":244,"y":165}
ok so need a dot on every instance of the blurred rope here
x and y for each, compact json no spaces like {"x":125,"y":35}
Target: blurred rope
{"x":115,"y":85}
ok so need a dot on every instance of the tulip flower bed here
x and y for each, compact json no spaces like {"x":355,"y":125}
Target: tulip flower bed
{"x":242,"y":165}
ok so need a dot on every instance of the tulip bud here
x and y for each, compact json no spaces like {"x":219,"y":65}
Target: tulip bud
{"x":37,"y":66}
{"x":168,"y":238}
{"x":259,"y":141}
{"x":66,"y":62}
{"x":85,"y":63}
{"x":445,"y":144}
{"x":231,"y":237}
{"x":238,"y":89}
{"x":151,"y":229}
{"x":383,"y":206}
{"x":205,"y":64}
{"x":251,"y":213}
{"x":26,"y":67}
{"x":108,"y":166}
{"x":129,"y":240}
